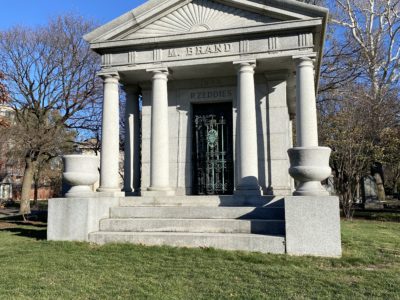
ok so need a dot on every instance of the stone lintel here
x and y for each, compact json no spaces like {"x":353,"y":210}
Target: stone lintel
{"x":277,"y":75}
{"x":130,"y":88}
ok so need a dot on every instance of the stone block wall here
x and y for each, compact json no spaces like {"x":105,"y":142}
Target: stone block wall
{"x":273,"y":130}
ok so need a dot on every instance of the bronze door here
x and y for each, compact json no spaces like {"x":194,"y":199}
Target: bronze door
{"x":212,"y":149}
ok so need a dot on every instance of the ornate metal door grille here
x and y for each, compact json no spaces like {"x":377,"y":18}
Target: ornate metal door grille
{"x":212,"y":155}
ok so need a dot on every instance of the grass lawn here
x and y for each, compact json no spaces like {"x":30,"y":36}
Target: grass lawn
{"x":31,"y":267}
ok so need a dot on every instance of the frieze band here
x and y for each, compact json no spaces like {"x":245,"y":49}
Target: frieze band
{"x":301,"y":41}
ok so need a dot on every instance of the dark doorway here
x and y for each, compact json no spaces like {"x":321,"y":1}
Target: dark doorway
{"x":212,"y":149}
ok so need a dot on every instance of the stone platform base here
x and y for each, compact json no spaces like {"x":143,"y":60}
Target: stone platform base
{"x":237,"y":241}
{"x":313,"y":226}
{"x":251,"y":223}
{"x":72,"y":219}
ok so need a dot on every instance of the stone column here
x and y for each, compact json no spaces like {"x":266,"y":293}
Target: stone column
{"x":132,"y":141}
{"x":159,"y":144}
{"x":109,"y":163}
{"x":247,"y":131}
{"x":306,"y":109}
{"x":309,"y":164}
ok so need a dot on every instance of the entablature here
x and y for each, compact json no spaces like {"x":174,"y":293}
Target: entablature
{"x":196,"y":52}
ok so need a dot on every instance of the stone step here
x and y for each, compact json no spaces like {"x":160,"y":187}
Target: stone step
{"x":259,"y":201}
{"x":194,"y":225}
{"x":226,"y":241}
{"x":198,"y":212}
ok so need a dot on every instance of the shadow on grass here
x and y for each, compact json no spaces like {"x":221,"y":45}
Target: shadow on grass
{"x":28,"y":223}
{"x":37,"y":234}
{"x":31,"y":228}
{"x":35,"y":216}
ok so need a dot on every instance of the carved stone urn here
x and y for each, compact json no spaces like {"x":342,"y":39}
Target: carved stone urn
{"x":80,"y":172}
{"x":309,"y":166}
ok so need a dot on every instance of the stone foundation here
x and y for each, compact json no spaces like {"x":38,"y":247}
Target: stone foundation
{"x":72,"y":219}
{"x":313,"y":226}
{"x":292,"y":225}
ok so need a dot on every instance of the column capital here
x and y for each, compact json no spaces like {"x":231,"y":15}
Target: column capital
{"x":159,"y":70}
{"x":159,"y":73}
{"x":304,"y":60}
{"x":245,"y":65}
{"x":111,"y":77}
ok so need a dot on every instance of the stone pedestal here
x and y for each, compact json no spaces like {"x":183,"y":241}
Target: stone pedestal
{"x":313,"y":226}
{"x":72,"y":219}
{"x":247,"y":129}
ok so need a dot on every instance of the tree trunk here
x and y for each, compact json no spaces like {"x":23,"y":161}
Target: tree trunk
{"x":25,"y":207}
{"x":347,"y":205}
{"x":380,"y":187}
{"x":395,"y":186}
{"x":357,"y":189}
{"x":35,"y":192}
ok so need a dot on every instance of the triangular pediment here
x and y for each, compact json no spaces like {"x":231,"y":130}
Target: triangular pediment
{"x":159,"y":18}
{"x":200,"y":15}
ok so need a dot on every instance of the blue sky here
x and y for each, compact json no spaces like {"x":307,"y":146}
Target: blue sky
{"x":36,"y":12}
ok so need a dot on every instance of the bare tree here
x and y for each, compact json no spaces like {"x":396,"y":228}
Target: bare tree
{"x":4,"y":96}
{"x":342,"y":127}
{"x":313,"y":2}
{"x":371,"y":33}
{"x":389,"y":154}
{"x":360,"y":84}
{"x":372,"y":29}
{"x":51,"y":75}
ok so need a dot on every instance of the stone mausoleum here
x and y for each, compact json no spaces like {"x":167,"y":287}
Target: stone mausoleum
{"x":213,"y":91}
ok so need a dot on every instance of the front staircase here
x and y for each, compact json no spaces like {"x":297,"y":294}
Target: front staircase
{"x":223,"y":222}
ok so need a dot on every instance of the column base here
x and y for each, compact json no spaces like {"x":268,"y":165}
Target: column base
{"x":109,"y":192}
{"x":158,"y":191}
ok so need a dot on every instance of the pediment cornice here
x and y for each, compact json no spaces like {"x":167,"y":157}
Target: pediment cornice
{"x":158,"y":20}
{"x":225,"y":34}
